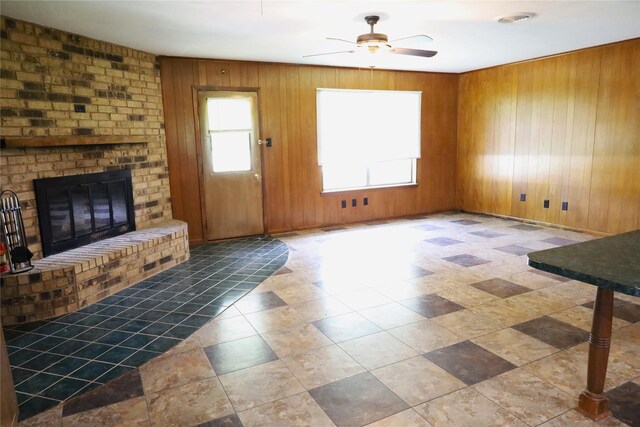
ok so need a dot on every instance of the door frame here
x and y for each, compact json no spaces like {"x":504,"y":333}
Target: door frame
{"x":196,"y":90}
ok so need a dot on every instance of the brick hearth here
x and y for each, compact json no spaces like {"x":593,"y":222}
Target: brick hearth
{"x":70,"y":280}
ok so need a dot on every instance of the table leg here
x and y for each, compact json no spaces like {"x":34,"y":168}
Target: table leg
{"x":593,"y":402}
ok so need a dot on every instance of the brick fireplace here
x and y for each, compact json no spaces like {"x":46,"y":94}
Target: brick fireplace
{"x":71,"y":105}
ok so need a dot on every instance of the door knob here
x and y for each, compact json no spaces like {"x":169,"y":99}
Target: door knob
{"x":257,"y":176}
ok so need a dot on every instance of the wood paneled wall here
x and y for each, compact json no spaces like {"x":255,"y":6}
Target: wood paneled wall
{"x":292,"y":177}
{"x":565,"y":128}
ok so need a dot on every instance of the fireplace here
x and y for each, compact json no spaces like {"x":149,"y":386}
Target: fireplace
{"x":76,"y":210}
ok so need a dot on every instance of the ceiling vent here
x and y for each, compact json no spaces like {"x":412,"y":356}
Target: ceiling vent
{"x":518,"y":17}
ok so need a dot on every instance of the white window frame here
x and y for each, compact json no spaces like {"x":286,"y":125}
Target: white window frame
{"x":412,"y":153}
{"x":212,"y":132}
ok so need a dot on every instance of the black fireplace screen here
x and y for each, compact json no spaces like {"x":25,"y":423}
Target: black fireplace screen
{"x":77,"y":210}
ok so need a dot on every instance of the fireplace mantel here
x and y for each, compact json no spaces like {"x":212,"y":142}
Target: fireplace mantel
{"x":66,"y":141}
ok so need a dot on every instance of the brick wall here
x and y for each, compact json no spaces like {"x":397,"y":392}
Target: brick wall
{"x":45,"y":75}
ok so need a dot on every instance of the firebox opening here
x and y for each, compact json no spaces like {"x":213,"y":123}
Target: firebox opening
{"x":76,"y":210}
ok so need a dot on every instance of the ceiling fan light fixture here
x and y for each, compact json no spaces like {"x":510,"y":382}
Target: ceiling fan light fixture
{"x":516,"y":17}
{"x":377,"y":43}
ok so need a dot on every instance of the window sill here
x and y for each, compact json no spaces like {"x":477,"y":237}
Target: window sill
{"x":379,"y":187}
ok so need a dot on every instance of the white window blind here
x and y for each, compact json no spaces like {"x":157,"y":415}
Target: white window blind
{"x":366,"y":136}
{"x":229,"y":123}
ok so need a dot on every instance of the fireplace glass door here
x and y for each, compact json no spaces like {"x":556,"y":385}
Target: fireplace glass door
{"x":76,"y":210}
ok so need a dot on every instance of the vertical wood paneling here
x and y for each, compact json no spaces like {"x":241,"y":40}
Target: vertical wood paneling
{"x":570,"y":75}
{"x":173,"y":149}
{"x":575,"y":137}
{"x":522,"y":149}
{"x":270,"y":110}
{"x":438,"y":168}
{"x":616,"y":148}
{"x":292,"y":177}
{"x":586,"y":68}
{"x":544,"y":86}
{"x":186,"y":120}
{"x":506,"y":145}
{"x":558,"y":139}
{"x":307,"y":157}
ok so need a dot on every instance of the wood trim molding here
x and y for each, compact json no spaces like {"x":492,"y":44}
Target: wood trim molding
{"x":66,"y":141}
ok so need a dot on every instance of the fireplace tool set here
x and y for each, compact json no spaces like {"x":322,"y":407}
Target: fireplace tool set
{"x":15,"y":240}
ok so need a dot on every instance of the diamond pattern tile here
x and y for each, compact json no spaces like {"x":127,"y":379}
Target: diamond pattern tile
{"x":553,"y":332}
{"x":431,"y":305}
{"x":469,"y":362}
{"x":346,"y":327}
{"x":622,"y":310}
{"x":515,"y":249}
{"x":465,"y":222}
{"x":443,"y":241}
{"x":382,"y":330}
{"x":624,"y":403}
{"x":467,"y":260}
{"x":239,"y":354}
{"x":259,"y":302}
{"x":559,"y":241}
{"x":357,"y":401}
{"x":526,"y":227}
{"x":500,"y":287}
{"x":487,"y":233}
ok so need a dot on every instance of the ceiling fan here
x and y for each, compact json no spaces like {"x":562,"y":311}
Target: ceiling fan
{"x":373,"y":42}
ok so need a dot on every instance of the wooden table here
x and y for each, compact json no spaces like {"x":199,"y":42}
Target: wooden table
{"x":613,"y":265}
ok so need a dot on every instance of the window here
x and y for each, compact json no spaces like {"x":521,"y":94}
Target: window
{"x":368,"y":138}
{"x":229,"y":127}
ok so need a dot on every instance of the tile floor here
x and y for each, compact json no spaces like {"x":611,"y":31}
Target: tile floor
{"x":54,"y":360}
{"x":433,"y":321}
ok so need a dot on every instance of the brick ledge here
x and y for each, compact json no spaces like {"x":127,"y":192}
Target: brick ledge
{"x":64,"y":282}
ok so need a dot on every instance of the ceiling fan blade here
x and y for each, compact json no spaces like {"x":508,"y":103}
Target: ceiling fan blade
{"x":329,"y":53}
{"x":413,"y":40}
{"x":340,"y":40}
{"x":414,"y":52}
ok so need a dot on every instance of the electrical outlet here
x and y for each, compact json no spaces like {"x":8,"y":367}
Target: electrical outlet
{"x":546,"y":204}
{"x":365,"y":201}
{"x":523,"y":197}
{"x":565,"y":206}
{"x":344,"y":204}
{"x":354,"y":203}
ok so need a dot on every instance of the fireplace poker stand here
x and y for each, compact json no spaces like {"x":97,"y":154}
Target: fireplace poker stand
{"x":18,"y":254}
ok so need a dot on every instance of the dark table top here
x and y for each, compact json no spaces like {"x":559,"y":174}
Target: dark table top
{"x":609,"y":262}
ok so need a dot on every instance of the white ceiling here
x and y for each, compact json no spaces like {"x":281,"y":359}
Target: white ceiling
{"x":465,"y":33}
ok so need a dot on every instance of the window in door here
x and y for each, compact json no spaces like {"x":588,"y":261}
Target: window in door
{"x":230,"y":133}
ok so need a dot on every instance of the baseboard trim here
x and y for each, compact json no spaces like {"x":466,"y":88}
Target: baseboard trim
{"x":546,"y":224}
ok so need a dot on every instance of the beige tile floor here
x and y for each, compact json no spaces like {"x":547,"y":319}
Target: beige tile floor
{"x":434,"y":321}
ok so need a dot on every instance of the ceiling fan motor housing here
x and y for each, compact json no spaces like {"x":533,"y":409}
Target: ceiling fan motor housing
{"x":372,"y":38}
